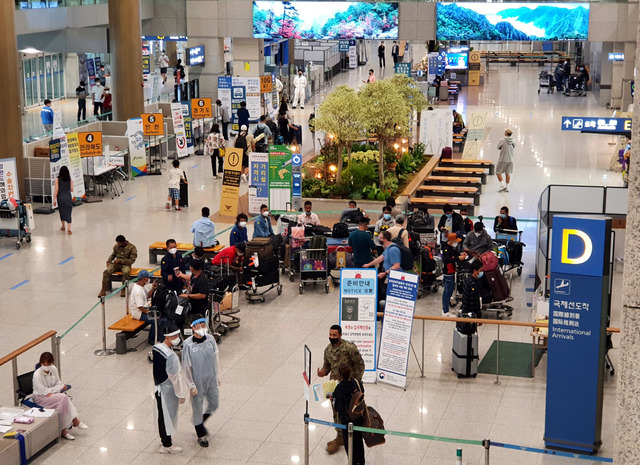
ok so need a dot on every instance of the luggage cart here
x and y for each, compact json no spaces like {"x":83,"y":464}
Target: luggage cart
{"x":546,"y":80}
{"x":512,"y":240}
{"x":255,"y":278}
{"x":313,"y":268}
{"x":14,"y":222}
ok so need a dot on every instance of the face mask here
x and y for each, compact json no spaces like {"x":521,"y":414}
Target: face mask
{"x":242,"y":224}
{"x":334,"y":340}
{"x":449,"y":215}
{"x":503,"y":215}
{"x":201,"y":332}
{"x":173,"y":251}
{"x":481,"y":274}
{"x":175,"y":342}
{"x":308,"y":213}
{"x":265,"y":213}
{"x":464,"y":217}
{"x":47,"y":370}
{"x":387,"y":216}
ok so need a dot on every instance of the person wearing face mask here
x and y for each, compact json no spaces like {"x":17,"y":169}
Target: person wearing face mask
{"x":139,"y":302}
{"x":451,"y":256}
{"x":471,"y":291}
{"x":123,"y":256}
{"x":299,"y":94}
{"x":262,"y":226}
{"x":49,"y":392}
{"x":171,"y":266}
{"x":239,"y":232}
{"x":449,"y":222}
{"x":384,"y":223}
{"x":505,"y":221}
{"x":203,"y":229}
{"x":200,"y":365}
{"x":478,"y":242}
{"x":170,"y":388}
{"x":198,"y":288}
{"x":467,"y":222}
{"x":340,"y":352}
{"x":307,"y":216}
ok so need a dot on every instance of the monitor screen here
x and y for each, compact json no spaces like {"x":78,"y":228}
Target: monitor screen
{"x":457,"y":60}
{"x":195,"y":56}
{"x":512,"y":21}
{"x":325,"y":20}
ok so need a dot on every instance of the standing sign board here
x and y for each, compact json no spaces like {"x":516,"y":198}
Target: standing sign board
{"x":178,"y":127}
{"x":578,"y":313}
{"x":75,"y":165}
{"x":153,"y":124}
{"x":231,"y":91}
{"x":201,"y":108}
{"x":231,"y":182}
{"x":8,"y":179}
{"x":279,"y":177}
{"x":395,"y":342}
{"x":296,"y":178}
{"x":90,"y":144}
{"x":353,"y":56}
{"x":358,"y":314}
{"x":137,"y":153}
{"x":237,"y":97}
{"x":258,"y":181}
{"x":188,"y":126}
{"x":436,"y":130}
{"x":56,"y":162}
{"x":403,"y":68}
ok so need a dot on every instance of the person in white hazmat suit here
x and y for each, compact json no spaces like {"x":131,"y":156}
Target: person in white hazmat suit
{"x":170,"y":389}
{"x":299,"y":94}
{"x":200,"y":365}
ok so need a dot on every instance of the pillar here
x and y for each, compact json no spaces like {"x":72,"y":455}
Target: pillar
{"x":11,"y":127}
{"x":125,"y":41}
{"x":627,"y":434}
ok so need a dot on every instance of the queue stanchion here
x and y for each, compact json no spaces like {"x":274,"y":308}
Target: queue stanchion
{"x":350,"y":442}
{"x":104,"y":351}
{"x":55,"y":343}
{"x":306,"y":439}
{"x":498,"y":358}
{"x":422,"y":375}
{"x":487,"y":444}
{"x":126,"y":294}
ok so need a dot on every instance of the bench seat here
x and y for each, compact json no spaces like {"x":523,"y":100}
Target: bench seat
{"x":160,"y":248}
{"x":128,"y":324}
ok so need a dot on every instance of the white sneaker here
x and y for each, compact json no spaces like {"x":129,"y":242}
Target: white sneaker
{"x":69,"y":437}
{"x":503,"y":189}
{"x":170,"y":450}
{"x":82,"y":425}
{"x":506,"y":189}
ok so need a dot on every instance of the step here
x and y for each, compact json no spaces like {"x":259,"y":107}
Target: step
{"x":465,"y":181}
{"x":437,"y":202}
{"x":469,"y":163}
{"x":461,"y":171}
{"x":450,"y":191}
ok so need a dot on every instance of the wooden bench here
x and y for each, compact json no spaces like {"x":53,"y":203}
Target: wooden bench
{"x":454,"y":181}
{"x":128,"y":324}
{"x":117,"y":276}
{"x":461,"y":171}
{"x":450,"y":191}
{"x":160,"y":248}
{"x":438,"y":202}
{"x":486,"y":164}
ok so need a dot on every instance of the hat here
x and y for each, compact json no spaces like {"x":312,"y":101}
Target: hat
{"x":144,"y":274}
{"x":453,"y":237}
{"x":243,"y":127}
{"x":478,"y":227}
{"x":508,"y":131}
{"x":400,"y":218}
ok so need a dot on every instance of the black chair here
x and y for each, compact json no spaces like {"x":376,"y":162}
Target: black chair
{"x":25,"y":389}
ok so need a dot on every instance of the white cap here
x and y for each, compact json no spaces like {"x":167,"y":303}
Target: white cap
{"x":243,"y":127}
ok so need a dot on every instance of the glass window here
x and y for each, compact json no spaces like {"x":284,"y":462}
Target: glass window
{"x":41,"y":79}
{"x":28,"y":92}
{"x":48,"y":76}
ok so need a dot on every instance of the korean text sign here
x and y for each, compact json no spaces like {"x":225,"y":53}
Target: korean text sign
{"x":8,"y":179}
{"x":153,"y":124}
{"x":90,"y":144}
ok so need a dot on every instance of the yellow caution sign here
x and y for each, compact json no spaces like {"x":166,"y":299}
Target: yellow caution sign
{"x":231,"y":182}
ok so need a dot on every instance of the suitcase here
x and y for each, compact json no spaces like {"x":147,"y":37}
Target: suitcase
{"x":464,"y":357}
{"x":184,"y":194}
{"x":272,"y":277}
{"x":263,"y":246}
{"x":514,"y":249}
{"x":447,"y":153}
{"x":498,"y":285}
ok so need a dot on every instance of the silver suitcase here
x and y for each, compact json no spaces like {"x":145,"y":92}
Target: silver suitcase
{"x":464,"y":357}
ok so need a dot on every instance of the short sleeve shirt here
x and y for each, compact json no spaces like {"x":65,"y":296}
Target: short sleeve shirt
{"x":199,"y":286}
{"x":391,"y":255}
{"x":138,"y":298}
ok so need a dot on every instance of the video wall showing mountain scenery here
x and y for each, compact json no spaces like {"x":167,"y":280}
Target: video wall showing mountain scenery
{"x":325,"y":20}
{"x":512,"y":21}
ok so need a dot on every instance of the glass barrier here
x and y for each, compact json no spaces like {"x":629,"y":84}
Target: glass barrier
{"x":68,"y":128}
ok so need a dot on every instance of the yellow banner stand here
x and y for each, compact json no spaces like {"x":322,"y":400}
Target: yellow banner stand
{"x":231,"y":182}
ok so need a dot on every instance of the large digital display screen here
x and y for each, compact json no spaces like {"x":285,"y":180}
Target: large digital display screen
{"x":512,"y":21}
{"x":195,"y":56}
{"x":457,"y":60}
{"x":325,"y":20}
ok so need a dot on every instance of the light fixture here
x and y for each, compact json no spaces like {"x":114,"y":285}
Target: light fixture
{"x":30,"y":50}
{"x":295,"y":458}
{"x":103,"y":449}
{"x":333,"y":168}
{"x":396,"y":146}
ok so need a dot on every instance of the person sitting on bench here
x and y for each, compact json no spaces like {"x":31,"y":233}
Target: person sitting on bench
{"x":172,"y":264}
{"x":139,"y":301}
{"x":123,"y":256}
{"x":204,"y":231}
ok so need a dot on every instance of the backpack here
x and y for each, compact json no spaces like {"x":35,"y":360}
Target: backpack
{"x":241,"y":142}
{"x":317,"y":243}
{"x":261,"y":145}
{"x":340,"y":231}
{"x":406,"y":257}
{"x":421,"y":221}
{"x":357,"y":408}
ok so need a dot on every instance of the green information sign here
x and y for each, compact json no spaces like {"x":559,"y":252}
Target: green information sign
{"x":279,"y":177}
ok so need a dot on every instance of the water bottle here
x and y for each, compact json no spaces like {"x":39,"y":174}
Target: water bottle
{"x":459,"y":456}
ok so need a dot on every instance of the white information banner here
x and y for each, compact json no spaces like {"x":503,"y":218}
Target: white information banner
{"x":58,"y":157}
{"x":358,"y":314}
{"x":8,"y":179}
{"x":178,"y":128}
{"x":353,"y":57}
{"x":75,"y":166}
{"x":395,"y":343}
{"x":137,"y":152}
{"x":436,"y":130}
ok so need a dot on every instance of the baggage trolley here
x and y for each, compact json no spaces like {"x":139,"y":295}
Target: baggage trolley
{"x":256,"y":276}
{"x":512,"y":240}
{"x":314,"y":268}
{"x":14,"y":222}
{"x":546,"y":80}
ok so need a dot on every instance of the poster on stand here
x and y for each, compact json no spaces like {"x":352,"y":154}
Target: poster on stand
{"x":259,"y":181}
{"x":178,"y":128}
{"x":8,"y":179}
{"x":395,"y":341}
{"x":436,"y":130}
{"x":353,"y":57}
{"x":188,"y":126}
{"x":224,"y":94}
{"x":137,"y":152}
{"x":279,"y":177}
{"x":232,"y":91}
{"x":231,"y":182}
{"x":75,"y":166}
{"x":358,"y":314}
{"x":238,"y":96}
{"x":58,"y":157}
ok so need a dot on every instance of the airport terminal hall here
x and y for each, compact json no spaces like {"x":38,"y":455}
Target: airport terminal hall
{"x":319,"y":232}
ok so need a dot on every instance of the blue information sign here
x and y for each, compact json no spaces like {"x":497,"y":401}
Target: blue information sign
{"x":403,"y":68}
{"x":296,"y":175}
{"x":577,"y":332}
{"x":596,"y":124}
{"x":188,"y":125}
{"x":343,"y":46}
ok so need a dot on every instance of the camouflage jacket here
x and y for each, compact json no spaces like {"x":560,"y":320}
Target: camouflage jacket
{"x":345,"y":352}
{"x":127,"y":254}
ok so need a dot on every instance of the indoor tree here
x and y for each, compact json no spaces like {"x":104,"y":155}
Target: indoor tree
{"x":412,"y":94}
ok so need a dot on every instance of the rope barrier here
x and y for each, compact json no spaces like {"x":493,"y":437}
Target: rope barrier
{"x":593,"y":458}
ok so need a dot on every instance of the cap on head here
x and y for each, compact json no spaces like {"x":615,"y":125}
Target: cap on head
{"x":508,"y":132}
{"x":142,"y":274}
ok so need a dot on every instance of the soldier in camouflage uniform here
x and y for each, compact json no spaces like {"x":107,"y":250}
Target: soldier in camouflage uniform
{"x":123,"y":256}
{"x":337,"y":353}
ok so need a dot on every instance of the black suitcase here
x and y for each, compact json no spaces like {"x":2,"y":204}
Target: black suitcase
{"x":184,"y":193}
{"x":514,"y":249}
{"x":272,"y":277}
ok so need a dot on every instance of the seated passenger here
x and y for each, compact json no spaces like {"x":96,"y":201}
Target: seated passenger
{"x":239,"y":232}
{"x":384,"y":223}
{"x":504,"y":221}
{"x":361,"y":243}
{"x":204,"y":231}
{"x":307,"y":216}
{"x":478,"y":241}
{"x":458,"y":122}
{"x":352,"y":214}
{"x":139,"y":300}
{"x":49,"y":392}
{"x":172,"y":264}
{"x":123,"y":256}
{"x":262,"y":226}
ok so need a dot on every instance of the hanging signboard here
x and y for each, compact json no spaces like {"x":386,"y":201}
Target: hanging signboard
{"x":358,"y":314}
{"x":178,"y":128}
{"x":201,"y":108}
{"x":279,"y":177}
{"x":265,"y":84}
{"x":231,"y":182}
{"x":259,"y":181}
{"x":137,"y":153}
{"x":395,"y":341}
{"x":153,"y":124}
{"x":8,"y":179}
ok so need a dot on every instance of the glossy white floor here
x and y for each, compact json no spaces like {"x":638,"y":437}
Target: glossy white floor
{"x":262,"y":404}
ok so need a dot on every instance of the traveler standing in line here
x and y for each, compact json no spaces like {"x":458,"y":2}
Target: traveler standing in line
{"x":46,"y":115}
{"x":381,"y":57}
{"x":98,"y":98}
{"x":505,"y":162}
{"x":81,"y":94}
{"x":163,"y":63}
{"x":64,"y":197}
{"x":341,"y":404}
{"x":215,"y":141}
{"x":107,"y":105}
{"x":223,"y":119}
{"x":361,"y":243}
{"x":300,"y":92}
{"x":471,"y":291}
{"x":261,"y":135}
{"x":451,"y":255}
{"x":243,"y":115}
{"x":200,"y":364}
{"x":395,"y":52}
{"x":170,"y":389}
{"x":262,"y":226}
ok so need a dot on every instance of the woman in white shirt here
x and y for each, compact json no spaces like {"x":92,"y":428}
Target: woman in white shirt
{"x":49,"y":392}
{"x":215,"y":141}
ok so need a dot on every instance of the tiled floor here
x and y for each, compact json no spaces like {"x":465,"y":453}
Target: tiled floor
{"x":262,"y":404}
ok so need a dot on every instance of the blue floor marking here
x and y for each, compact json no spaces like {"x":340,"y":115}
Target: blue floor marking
{"x":20,"y":284}
{"x":530,"y":289}
{"x":130,"y":198}
{"x":194,"y":166}
{"x":6,"y":256}
{"x":66,"y":261}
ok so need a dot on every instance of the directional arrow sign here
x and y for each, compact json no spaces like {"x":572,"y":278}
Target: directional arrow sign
{"x":596,"y":125}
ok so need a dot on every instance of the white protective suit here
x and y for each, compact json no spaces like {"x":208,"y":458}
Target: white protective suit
{"x":299,"y":94}
{"x":200,"y":365}
{"x":170,"y":389}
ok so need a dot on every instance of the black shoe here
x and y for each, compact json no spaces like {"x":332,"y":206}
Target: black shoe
{"x":203,"y":442}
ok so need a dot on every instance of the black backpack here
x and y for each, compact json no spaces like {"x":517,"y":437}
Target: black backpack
{"x":241,"y":142}
{"x":406,"y":257}
{"x":340,"y":231}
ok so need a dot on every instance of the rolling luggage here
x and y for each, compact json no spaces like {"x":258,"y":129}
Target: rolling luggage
{"x":498,"y":285}
{"x":514,"y":249}
{"x":263,"y":246}
{"x":340,"y":231}
{"x":184,"y":193}
{"x":464,"y":357}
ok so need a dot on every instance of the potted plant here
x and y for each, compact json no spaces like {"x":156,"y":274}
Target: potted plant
{"x":390,"y":160}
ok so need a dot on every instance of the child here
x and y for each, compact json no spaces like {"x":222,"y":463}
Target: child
{"x":175,"y":176}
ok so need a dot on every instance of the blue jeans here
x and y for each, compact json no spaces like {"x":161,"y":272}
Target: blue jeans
{"x":449,"y":284}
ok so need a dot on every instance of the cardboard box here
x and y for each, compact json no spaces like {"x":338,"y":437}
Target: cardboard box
{"x":41,"y":152}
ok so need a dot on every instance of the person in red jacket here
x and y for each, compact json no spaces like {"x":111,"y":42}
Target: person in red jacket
{"x":107,"y":105}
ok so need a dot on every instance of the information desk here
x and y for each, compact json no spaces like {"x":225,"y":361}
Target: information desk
{"x":38,"y":435}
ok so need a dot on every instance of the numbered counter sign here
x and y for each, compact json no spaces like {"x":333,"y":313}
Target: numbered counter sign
{"x":90,"y":144}
{"x":201,"y":108}
{"x":153,"y":124}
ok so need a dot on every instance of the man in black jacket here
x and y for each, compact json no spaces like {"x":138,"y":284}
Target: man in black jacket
{"x":450,"y":222}
{"x":471,"y":291}
{"x":171,"y":266}
{"x":451,"y":255}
